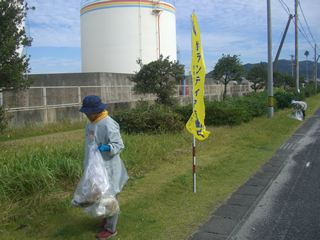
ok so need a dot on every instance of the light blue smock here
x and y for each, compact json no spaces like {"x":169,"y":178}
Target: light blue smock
{"x":300,"y":105}
{"x":107,"y":131}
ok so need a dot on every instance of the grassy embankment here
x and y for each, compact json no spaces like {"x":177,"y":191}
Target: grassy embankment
{"x":39,"y":175}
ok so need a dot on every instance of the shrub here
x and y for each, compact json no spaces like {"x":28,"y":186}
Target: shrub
{"x":224,"y":113}
{"x":235,"y":111}
{"x":154,"y":119}
{"x":310,"y":89}
{"x":257,"y":103}
{"x":298,"y":96}
{"x":231,"y":111}
{"x":184,"y":112}
{"x":4,"y":119}
{"x":284,"y":99}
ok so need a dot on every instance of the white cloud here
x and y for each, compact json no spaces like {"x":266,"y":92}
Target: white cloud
{"x":240,"y":27}
{"x":55,"y":23}
{"x":55,"y":65}
{"x":226,"y":26}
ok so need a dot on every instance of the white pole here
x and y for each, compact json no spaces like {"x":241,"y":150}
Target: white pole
{"x":315,"y":68}
{"x":194,"y":148}
{"x":270,"y":64}
{"x":194,"y":166}
{"x":297,"y":46}
{"x":79,"y":94}
{"x":0,"y":97}
{"x":194,"y":139}
{"x":44,"y":97}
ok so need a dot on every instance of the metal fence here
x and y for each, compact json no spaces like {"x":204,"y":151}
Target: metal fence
{"x":42,"y":97}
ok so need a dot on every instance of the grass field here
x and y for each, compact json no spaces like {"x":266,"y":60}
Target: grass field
{"x":39,"y":174}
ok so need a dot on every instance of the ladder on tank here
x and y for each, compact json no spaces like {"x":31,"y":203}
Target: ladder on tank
{"x":156,"y":7}
{"x":156,"y":10}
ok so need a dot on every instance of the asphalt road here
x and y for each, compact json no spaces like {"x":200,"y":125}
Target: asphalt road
{"x":281,"y":201}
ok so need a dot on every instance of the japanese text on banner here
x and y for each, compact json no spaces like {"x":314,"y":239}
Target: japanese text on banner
{"x":195,"y":125}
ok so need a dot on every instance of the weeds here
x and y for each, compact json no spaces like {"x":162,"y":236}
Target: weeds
{"x":33,"y":129}
{"x":38,"y":175}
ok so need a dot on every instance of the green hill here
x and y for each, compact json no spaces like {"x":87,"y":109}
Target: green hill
{"x":285,"y":66}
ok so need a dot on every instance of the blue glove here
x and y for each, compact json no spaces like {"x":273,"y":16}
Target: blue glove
{"x":103,"y":148}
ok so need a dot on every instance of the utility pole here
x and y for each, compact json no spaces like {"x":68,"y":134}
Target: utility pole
{"x":292,"y":64}
{"x":281,"y":44}
{"x":270,"y":64}
{"x":296,"y":48}
{"x":315,"y":68}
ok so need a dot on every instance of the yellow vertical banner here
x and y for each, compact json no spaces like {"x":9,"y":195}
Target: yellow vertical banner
{"x":195,"y":125}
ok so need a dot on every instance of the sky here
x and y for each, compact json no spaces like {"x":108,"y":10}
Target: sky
{"x":235,"y":27}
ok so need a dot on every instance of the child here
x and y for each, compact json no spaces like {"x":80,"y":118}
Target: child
{"x":103,"y":129}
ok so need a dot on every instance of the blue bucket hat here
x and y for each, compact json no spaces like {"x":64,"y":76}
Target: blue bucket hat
{"x":92,"y":104}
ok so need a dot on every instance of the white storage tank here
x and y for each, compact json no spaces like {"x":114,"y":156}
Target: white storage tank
{"x":115,"y":33}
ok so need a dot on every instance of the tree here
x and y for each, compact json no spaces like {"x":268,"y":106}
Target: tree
{"x":302,"y":82}
{"x":228,"y":68}
{"x":288,"y":80}
{"x":258,"y":75}
{"x":13,"y":67}
{"x":158,"y":77}
{"x":277,"y":79}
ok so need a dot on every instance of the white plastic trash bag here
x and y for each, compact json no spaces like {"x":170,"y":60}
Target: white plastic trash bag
{"x":94,"y":191}
{"x":298,"y":115}
{"x":105,"y":207}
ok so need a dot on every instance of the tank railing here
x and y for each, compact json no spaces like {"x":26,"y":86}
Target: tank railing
{"x":38,"y":97}
{"x":209,"y":90}
{"x":55,"y":96}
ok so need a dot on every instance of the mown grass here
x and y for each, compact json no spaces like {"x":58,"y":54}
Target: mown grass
{"x":39,"y":175}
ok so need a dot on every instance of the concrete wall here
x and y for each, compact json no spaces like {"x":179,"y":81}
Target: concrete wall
{"x":38,"y":106}
{"x":81,"y":79}
{"x":24,"y":117}
{"x":93,"y":79}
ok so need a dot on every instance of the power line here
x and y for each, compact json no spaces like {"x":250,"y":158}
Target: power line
{"x":303,"y":32}
{"x":306,"y":22}
{"x":286,"y":8}
{"x":308,"y":29}
{"x":284,"y":5}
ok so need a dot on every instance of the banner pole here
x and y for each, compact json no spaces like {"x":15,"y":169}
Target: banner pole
{"x":194,"y":139}
{"x":195,"y":125}
{"x":194,"y":165}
